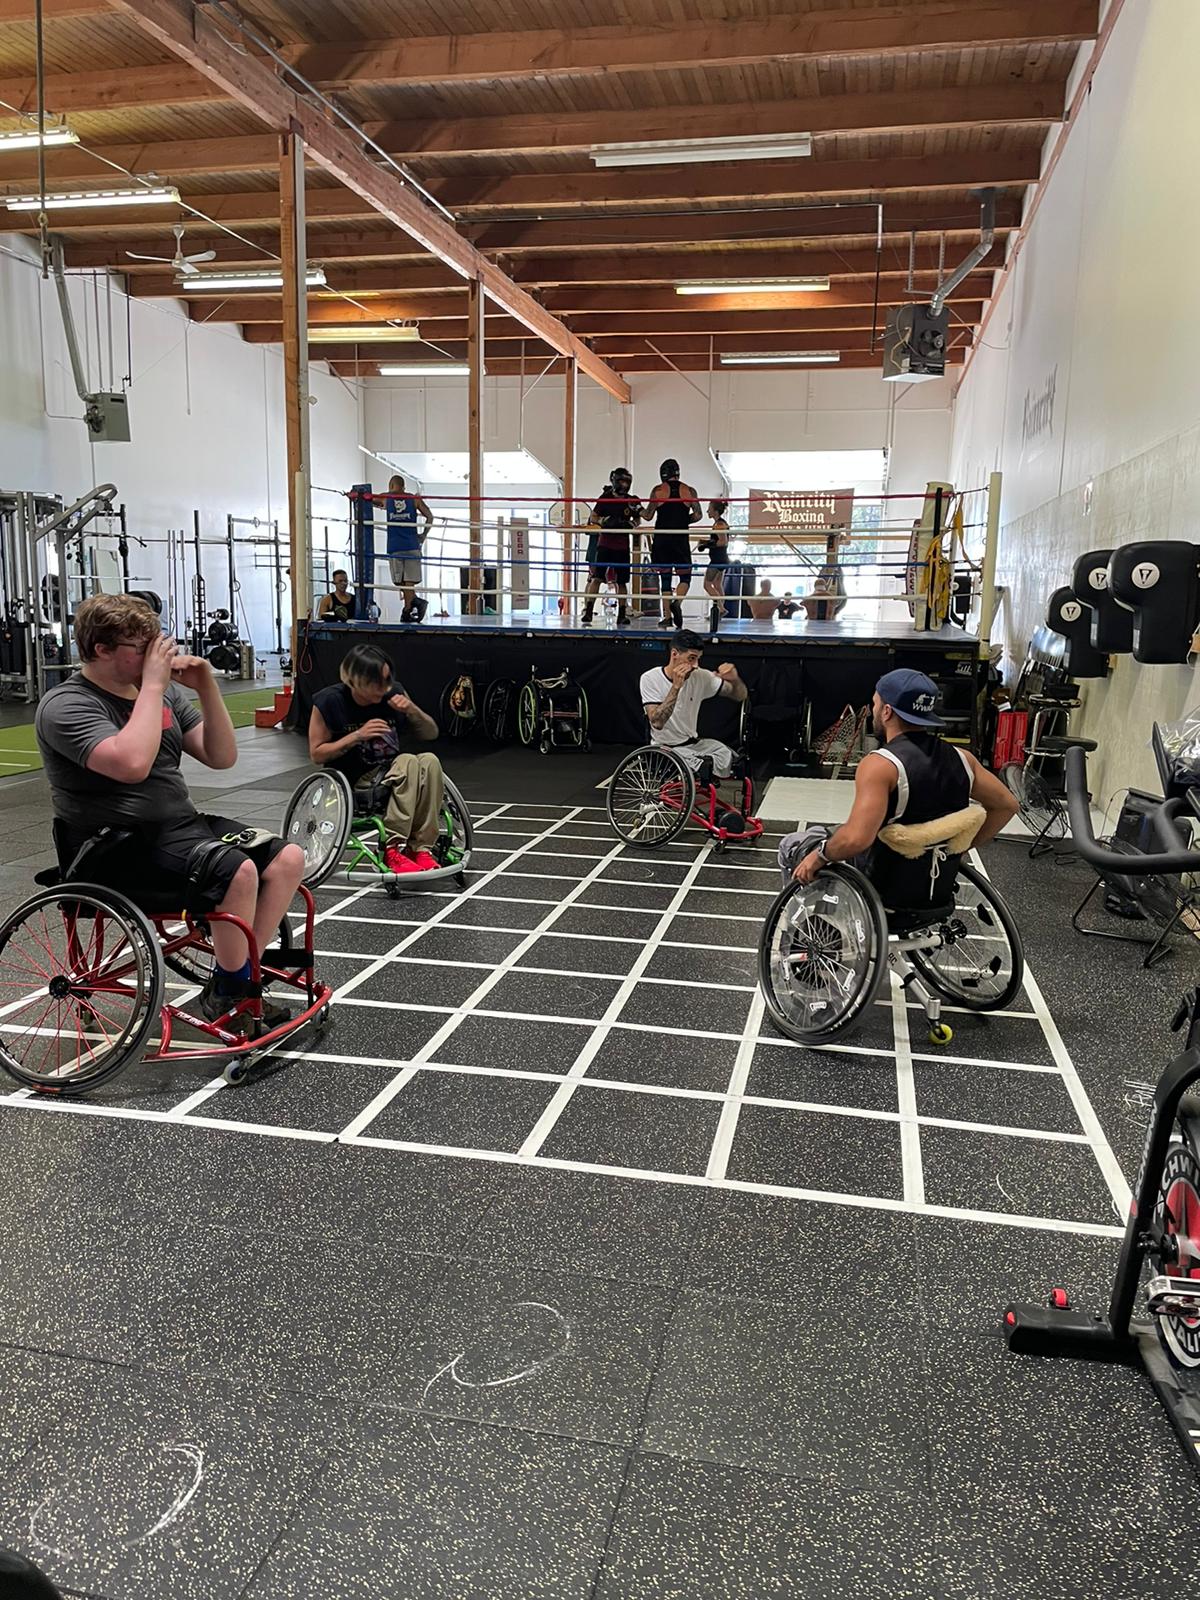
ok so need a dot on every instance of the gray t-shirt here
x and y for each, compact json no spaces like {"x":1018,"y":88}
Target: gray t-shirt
{"x":76,"y":716}
{"x":680,"y":726}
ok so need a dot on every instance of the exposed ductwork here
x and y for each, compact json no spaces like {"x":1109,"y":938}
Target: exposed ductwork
{"x":987,"y":237}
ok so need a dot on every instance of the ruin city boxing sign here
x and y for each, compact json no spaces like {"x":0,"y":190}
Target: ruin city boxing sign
{"x":804,"y":515}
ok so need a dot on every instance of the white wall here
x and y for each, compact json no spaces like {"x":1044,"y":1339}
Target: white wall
{"x":207,"y":419}
{"x":1103,"y":305}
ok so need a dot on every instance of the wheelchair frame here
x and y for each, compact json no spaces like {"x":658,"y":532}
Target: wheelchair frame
{"x":155,"y":938}
{"x":680,"y":793}
{"x":540,"y":717}
{"x":918,"y":940}
{"x":366,"y":840}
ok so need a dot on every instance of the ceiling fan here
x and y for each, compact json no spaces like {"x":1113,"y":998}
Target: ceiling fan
{"x":183,"y":264}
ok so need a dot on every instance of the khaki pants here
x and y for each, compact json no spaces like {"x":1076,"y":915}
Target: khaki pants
{"x":413,"y":812}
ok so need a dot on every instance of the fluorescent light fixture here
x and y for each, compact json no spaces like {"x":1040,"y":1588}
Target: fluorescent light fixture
{"x":669,"y":152}
{"x":362,"y":332}
{"x":223,"y":282}
{"x":755,"y":286}
{"x":783,"y":358}
{"x":90,"y":199}
{"x":30,"y":139}
{"x":425,"y":369}
{"x":912,"y":377}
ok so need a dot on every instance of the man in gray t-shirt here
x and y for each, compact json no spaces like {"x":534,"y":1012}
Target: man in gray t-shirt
{"x":112,"y":737}
{"x":672,"y":697}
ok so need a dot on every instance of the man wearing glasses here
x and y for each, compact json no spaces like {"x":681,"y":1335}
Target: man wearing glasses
{"x":112,"y":736}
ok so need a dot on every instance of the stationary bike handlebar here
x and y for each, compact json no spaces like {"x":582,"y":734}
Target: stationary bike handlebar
{"x":1135,"y":864}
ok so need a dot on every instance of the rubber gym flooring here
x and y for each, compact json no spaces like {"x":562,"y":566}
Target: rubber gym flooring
{"x":550,"y":1271}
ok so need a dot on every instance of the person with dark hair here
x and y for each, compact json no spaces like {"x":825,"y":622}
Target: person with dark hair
{"x":672,"y":696}
{"x":112,"y":736}
{"x":404,"y":545}
{"x":617,"y":513}
{"x":341,"y":603}
{"x":673,"y":506}
{"x":717,"y":546}
{"x":914,"y":777}
{"x":360,"y":726}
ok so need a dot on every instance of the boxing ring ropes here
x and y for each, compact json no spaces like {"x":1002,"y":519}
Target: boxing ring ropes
{"x":953,"y":531}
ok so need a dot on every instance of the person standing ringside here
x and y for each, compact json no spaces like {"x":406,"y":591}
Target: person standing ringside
{"x":404,"y":545}
{"x":674,"y":507}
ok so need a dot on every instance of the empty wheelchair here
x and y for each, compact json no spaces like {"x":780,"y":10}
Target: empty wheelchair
{"x":340,"y":829}
{"x":655,"y":793}
{"x":83,"y":983}
{"x":826,"y":946}
{"x":553,"y":713}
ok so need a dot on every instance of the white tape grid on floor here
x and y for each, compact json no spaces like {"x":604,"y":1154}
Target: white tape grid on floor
{"x":567,"y":1083}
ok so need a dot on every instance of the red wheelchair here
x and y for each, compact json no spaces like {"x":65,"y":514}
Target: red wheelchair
{"x":83,"y":986}
{"x":655,"y":793}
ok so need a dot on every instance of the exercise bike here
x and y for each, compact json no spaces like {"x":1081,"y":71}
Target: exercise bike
{"x":1162,"y":1234}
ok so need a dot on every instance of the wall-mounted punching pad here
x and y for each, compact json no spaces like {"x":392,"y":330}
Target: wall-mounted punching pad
{"x":1159,"y":581}
{"x":1111,"y":624}
{"x":1067,"y":614}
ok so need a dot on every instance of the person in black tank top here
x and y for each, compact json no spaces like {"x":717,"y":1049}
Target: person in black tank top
{"x":915,"y":776}
{"x":674,"y":507}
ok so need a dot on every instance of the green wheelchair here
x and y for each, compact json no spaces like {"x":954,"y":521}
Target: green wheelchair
{"x":340,"y":829}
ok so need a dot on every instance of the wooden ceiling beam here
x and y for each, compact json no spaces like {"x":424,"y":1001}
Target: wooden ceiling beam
{"x":611,"y":346}
{"x":110,"y":89}
{"x":506,"y":366}
{"x":556,"y":52}
{"x":52,"y":10}
{"x":188,"y":32}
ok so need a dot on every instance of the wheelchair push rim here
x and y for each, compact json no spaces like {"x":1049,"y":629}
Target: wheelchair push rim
{"x":822,"y":954}
{"x":318,"y":819}
{"x":984,"y":967}
{"x":650,"y":797}
{"x":81,"y":988}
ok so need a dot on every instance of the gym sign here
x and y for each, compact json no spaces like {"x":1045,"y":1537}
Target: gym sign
{"x":1037,"y":415}
{"x":801,"y":511}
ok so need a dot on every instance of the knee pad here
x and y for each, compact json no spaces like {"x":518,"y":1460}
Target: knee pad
{"x":210,"y":870}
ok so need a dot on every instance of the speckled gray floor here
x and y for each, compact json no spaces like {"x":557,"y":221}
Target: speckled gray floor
{"x":250,"y":1362}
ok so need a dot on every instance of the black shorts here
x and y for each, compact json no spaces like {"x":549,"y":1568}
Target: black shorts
{"x":671,"y":552}
{"x":162,"y":858}
{"x":610,"y":565}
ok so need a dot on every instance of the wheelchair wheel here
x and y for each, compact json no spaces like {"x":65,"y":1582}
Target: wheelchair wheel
{"x":527,"y":714}
{"x":81,"y":976}
{"x":318,"y":819}
{"x":822,"y":954}
{"x":584,"y":742}
{"x":1041,"y":810}
{"x":499,"y":706}
{"x":650,"y":797}
{"x":456,"y":840}
{"x":982,"y":971}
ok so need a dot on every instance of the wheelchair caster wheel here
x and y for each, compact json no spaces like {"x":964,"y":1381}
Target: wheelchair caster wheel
{"x":544,"y":747}
{"x":460,"y":879}
{"x":236,"y":1070}
{"x":391,"y":888}
{"x":940,"y":1033}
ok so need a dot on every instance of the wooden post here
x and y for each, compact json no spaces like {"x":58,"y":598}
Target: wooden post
{"x":987,"y":585}
{"x":568,"y":482}
{"x":294,"y":251}
{"x":475,"y":486}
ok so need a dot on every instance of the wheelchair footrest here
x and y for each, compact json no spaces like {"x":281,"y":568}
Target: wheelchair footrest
{"x":289,"y":960}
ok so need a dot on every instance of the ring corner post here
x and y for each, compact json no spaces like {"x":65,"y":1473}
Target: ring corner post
{"x":294,"y":252}
{"x":475,"y":470}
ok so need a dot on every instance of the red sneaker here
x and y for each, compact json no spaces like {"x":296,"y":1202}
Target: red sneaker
{"x":397,"y":861}
{"x":424,"y":862}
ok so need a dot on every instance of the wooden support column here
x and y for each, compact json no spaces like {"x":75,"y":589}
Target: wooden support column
{"x":293,"y":247}
{"x":476,"y":506}
{"x":568,"y":482}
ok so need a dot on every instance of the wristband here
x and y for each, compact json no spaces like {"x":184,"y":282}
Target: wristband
{"x":821,"y":853}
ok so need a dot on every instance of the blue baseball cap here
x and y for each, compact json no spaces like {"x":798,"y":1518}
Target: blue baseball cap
{"x":912,"y":696}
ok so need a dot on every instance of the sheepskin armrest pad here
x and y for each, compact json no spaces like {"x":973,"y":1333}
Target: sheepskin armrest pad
{"x":956,"y":832}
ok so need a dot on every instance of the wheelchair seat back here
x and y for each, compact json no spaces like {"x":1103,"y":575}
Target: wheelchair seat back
{"x":83,"y":861}
{"x":914,"y":866}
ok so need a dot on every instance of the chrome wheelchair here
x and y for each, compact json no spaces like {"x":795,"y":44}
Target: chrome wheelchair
{"x":937,"y":921}
{"x":340,"y":829}
{"x":83,"y":983}
{"x":655,"y":793}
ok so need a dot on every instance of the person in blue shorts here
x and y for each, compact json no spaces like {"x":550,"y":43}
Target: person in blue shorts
{"x":404,"y":545}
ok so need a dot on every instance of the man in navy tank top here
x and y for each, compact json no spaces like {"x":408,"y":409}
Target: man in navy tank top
{"x":915,"y":776}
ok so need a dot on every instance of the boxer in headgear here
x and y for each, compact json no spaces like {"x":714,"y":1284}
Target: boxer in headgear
{"x":674,"y":507}
{"x":617,"y":513}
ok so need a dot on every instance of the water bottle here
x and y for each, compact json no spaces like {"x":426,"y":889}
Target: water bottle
{"x":610,"y":612}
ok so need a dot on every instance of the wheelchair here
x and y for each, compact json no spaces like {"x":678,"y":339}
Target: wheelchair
{"x":654,"y":794}
{"x":827,"y":945}
{"x":554,"y":712}
{"x":340,"y":828}
{"x":83,"y":984}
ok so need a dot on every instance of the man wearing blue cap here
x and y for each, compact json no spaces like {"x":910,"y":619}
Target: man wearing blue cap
{"x":913,"y":777}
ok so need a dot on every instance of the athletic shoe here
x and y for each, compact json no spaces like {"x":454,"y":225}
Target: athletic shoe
{"x":664,"y":622}
{"x":424,"y":862}
{"x":213,"y":1004}
{"x":622,"y":618}
{"x":396,"y":860}
{"x":585,"y":620}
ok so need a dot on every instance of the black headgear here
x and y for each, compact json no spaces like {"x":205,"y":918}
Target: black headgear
{"x":620,"y":472}
{"x":669,"y":469}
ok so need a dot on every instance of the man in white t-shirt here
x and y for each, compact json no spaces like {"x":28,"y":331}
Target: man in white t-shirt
{"x":672,"y":696}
